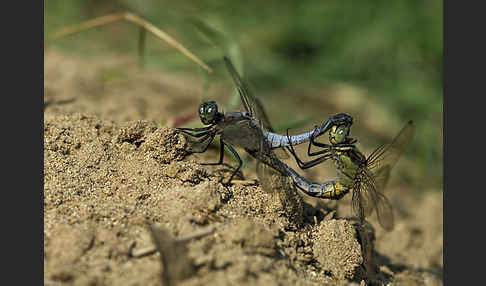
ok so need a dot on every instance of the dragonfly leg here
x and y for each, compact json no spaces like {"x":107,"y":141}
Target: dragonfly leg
{"x":308,"y":149}
{"x":240,"y":163}
{"x":305,"y":165}
{"x":221,"y":157}
{"x":325,"y":150}
{"x":318,"y":144}
{"x":211,"y":136}
{"x":311,"y":163}
{"x":221,"y":154}
{"x":324,"y":145}
{"x":195,"y":129}
{"x":200,"y":140}
{"x":197,"y":135}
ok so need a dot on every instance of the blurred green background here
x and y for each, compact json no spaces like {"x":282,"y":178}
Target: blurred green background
{"x":380,"y":61}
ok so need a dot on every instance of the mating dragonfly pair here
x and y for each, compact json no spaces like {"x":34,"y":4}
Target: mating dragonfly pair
{"x":251,"y":130}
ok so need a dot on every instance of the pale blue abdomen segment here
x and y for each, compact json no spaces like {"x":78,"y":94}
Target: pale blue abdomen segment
{"x":277,"y":140}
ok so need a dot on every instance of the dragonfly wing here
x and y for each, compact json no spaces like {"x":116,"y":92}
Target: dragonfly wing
{"x":378,"y":167}
{"x":356,"y":205}
{"x":362,"y":203}
{"x":281,"y":153}
{"x":245,"y":96}
{"x":270,"y":179}
{"x":252,"y":104}
{"x":264,"y":176}
{"x":388,"y":154}
{"x":368,"y":201}
{"x":260,"y":113}
{"x":384,"y":212}
{"x":378,"y":201}
{"x":381,"y":177}
{"x":384,"y":158}
{"x":255,"y":108}
{"x":265,"y":123}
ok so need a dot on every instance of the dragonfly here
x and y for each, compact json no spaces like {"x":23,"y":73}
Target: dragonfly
{"x":365,"y":176}
{"x":249,"y":129}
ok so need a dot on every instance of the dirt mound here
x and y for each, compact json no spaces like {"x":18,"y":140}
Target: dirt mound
{"x":104,"y":183}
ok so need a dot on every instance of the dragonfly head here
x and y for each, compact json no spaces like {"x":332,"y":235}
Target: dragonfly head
{"x":340,"y":128}
{"x":338,"y":134}
{"x":208,"y":112}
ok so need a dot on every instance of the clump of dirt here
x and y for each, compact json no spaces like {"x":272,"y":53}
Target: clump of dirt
{"x":337,"y":249}
{"x":112,"y":185}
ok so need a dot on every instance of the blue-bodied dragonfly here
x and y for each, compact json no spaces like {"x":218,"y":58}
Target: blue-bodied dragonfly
{"x":249,"y":129}
{"x":366,"y":176}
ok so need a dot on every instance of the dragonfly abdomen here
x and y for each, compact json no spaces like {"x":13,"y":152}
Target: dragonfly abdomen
{"x":333,"y":190}
{"x":277,"y":140}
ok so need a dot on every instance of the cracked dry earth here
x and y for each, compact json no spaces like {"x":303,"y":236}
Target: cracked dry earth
{"x":124,"y":205}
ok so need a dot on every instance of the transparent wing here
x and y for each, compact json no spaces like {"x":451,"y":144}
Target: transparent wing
{"x":378,"y":201}
{"x":356,"y":203}
{"x":384,"y":212}
{"x":381,"y":176}
{"x":255,"y":108}
{"x":384,"y":158}
{"x":368,"y":193}
{"x":388,"y":154}
{"x":267,"y":177}
{"x":366,"y":198}
{"x":249,"y":102}
{"x":263,"y":118}
{"x":252,"y":104}
{"x":362,"y":205}
{"x":260,"y":113}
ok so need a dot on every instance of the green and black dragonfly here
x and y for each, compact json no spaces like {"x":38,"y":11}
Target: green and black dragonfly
{"x":249,"y":129}
{"x":366,"y":176}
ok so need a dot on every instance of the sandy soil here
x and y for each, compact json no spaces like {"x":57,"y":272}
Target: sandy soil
{"x":118,"y":185}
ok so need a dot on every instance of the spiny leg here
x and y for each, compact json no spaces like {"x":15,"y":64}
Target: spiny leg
{"x":209,"y":135}
{"x":221,"y":154}
{"x":239,"y":162}
{"x":318,"y":144}
{"x":326,"y":147}
{"x":311,"y":163}
{"x":200,"y":140}
{"x":221,"y":157}
{"x":305,"y":165}
{"x":205,"y":134}
{"x":195,"y":129}
{"x":197,"y":135}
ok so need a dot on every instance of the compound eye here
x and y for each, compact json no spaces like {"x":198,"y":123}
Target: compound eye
{"x":210,"y":110}
{"x":201,"y":110}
